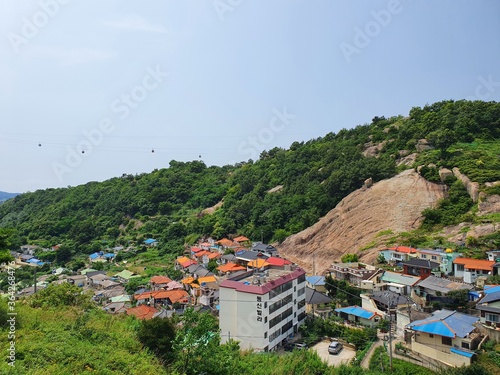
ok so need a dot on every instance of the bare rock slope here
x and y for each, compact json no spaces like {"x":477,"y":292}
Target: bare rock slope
{"x":395,"y":203}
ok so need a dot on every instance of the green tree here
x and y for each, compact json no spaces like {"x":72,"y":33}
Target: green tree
{"x":348,"y":258}
{"x":158,"y":335}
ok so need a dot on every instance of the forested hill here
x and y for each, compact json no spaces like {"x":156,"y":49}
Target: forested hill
{"x":315,"y":175}
{"x":4,"y":196}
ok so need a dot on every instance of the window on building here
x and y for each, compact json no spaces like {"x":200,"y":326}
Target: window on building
{"x":433,"y":257}
{"x":465,"y":345}
{"x":460,"y":267}
{"x":493,"y":318}
{"x":446,"y":341}
{"x":431,"y":335}
{"x":265,"y":319}
{"x":265,"y":335}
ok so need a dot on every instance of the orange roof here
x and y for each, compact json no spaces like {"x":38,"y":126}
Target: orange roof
{"x":404,"y":249}
{"x":206,"y":279}
{"x":241,"y":239}
{"x":475,"y":264}
{"x":160,"y":280}
{"x":187,"y":280}
{"x":173,"y":295}
{"x":231,"y":267}
{"x":181,"y":260}
{"x":258,"y":263}
{"x":195,"y":249}
{"x":213,"y":255}
{"x":201,"y":253}
{"x":142,"y":312}
{"x":227,"y":243}
{"x":187,"y":263}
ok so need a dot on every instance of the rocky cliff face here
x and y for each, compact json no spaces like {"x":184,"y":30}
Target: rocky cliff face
{"x":395,"y":204}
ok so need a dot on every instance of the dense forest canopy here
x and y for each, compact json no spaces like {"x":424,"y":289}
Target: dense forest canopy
{"x":167,"y":204}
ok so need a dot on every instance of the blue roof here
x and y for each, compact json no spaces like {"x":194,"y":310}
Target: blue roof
{"x":462,"y":352}
{"x":491,"y":289}
{"x":94,"y":256}
{"x":150,"y":241}
{"x":109,"y":255}
{"x":356,"y":311}
{"x":316,"y":280}
{"x":446,"y":323}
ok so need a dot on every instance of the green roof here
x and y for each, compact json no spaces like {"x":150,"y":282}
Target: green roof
{"x":126,"y":274}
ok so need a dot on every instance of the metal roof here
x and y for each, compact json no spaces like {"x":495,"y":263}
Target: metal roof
{"x":315,"y":298}
{"x":445,"y":323}
{"x":490,"y":297}
{"x":442,"y":285}
{"x":316,"y":280}
{"x":462,"y":352}
{"x":356,"y":311}
{"x":398,"y":278}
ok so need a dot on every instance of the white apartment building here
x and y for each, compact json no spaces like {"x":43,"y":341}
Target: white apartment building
{"x":261,"y":310}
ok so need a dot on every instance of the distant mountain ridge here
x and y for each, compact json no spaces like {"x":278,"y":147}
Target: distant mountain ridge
{"x":4,"y":195}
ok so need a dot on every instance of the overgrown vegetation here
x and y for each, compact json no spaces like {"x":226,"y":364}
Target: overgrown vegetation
{"x":167,"y":203}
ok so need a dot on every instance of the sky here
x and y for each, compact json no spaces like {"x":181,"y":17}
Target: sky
{"x":90,"y":90}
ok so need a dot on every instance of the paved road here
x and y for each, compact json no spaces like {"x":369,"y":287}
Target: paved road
{"x":333,"y":359}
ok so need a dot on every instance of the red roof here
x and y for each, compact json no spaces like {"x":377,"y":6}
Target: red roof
{"x":195,"y":249}
{"x":142,"y":312}
{"x":160,"y":280}
{"x":404,"y":249}
{"x":188,"y":263}
{"x":275,"y":261}
{"x":262,"y":289}
{"x":475,"y":264}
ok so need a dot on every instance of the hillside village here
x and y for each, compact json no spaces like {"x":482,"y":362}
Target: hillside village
{"x":434,"y":303}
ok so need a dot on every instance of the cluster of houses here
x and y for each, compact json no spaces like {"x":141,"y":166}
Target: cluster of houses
{"x":261,"y":299}
{"x":408,"y":298}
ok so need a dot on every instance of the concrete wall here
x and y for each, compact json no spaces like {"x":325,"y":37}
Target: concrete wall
{"x":450,"y":359}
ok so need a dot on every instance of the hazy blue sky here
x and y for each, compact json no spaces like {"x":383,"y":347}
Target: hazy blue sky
{"x":220,"y":79}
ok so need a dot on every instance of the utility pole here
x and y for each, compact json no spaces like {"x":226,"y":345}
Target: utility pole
{"x":35,"y":280}
{"x":390,"y":338}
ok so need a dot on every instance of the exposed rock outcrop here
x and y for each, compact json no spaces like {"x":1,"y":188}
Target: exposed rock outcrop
{"x":395,"y":203}
{"x":444,"y":173}
{"x":489,"y":205}
{"x":471,"y":187}
{"x":423,"y":145}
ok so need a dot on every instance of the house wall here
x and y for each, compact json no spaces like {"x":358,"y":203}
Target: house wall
{"x":239,"y":319}
{"x":457,"y":272}
{"x":447,"y":358}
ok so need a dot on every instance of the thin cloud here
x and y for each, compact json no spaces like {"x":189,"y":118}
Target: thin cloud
{"x":71,"y":56}
{"x":137,"y":23}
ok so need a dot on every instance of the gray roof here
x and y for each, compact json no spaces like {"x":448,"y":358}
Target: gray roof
{"x":315,"y":298}
{"x":385,"y":296}
{"x":229,"y":257}
{"x":421,"y":263}
{"x":247,"y":255}
{"x":258,"y":246}
{"x":398,"y":278}
{"x":94,"y":273}
{"x":442,"y":285}
{"x":490,"y":297}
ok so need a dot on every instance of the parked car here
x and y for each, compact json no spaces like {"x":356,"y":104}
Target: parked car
{"x":300,"y":345}
{"x":335,"y":347}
